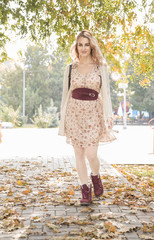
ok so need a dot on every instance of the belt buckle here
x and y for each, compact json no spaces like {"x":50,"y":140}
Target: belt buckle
{"x":92,"y":94}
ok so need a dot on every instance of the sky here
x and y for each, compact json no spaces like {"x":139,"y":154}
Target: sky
{"x":18,"y":44}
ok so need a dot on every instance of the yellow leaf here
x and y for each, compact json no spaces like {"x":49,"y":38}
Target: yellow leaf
{"x":27,"y":191}
{"x":109,"y":193}
{"x":19,"y":182}
{"x":112,"y":229}
{"x":10,"y":193}
{"x":87,"y":209}
{"x":40,"y":193}
{"x":23,"y":208}
{"x":109,"y":227}
{"x":70,"y":192}
{"x":119,"y":190}
{"x":35,"y":218}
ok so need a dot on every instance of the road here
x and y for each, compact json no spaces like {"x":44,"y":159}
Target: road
{"x":134,"y":145}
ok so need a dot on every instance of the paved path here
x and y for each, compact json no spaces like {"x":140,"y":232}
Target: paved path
{"x":39,"y":196}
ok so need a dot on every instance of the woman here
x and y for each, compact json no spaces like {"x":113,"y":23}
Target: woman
{"x":86,"y":111}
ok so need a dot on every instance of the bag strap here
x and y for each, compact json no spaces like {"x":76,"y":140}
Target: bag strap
{"x":100,"y":77}
{"x":69,"y":76}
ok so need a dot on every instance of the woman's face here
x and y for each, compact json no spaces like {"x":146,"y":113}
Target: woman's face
{"x":83,"y":46}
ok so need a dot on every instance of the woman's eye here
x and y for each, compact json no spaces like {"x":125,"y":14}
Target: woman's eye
{"x":86,"y":45}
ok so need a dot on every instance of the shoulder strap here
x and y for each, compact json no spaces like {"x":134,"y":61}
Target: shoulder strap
{"x":69,"y":76}
{"x":100,"y":77}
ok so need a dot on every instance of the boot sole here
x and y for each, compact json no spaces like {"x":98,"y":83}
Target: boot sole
{"x":99,"y":195}
{"x":85,"y":204}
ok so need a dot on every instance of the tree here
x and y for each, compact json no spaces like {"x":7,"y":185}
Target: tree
{"x":140,"y":92}
{"x":148,"y":101}
{"x":43,"y":80}
{"x":56,"y":80}
{"x":142,"y":99}
{"x":11,"y":90}
{"x":40,"y":19}
{"x":114,"y":93}
{"x":37,"y":79}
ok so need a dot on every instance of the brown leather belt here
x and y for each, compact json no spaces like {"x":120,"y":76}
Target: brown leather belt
{"x":84,"y":94}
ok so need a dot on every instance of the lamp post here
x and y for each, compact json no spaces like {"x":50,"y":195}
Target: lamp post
{"x":24,"y":74}
{"x":23,"y":92}
{"x":124,"y":86}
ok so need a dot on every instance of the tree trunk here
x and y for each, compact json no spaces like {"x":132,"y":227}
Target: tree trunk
{"x":150,"y":115}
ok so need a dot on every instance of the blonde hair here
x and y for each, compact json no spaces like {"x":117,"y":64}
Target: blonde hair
{"x":95,"y":50}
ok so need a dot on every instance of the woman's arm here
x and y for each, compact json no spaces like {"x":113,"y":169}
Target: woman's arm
{"x":106,"y":97}
{"x":65,"y":87}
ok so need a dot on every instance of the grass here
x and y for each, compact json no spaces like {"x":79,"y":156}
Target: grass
{"x":28,"y":126}
{"x":141,"y":170}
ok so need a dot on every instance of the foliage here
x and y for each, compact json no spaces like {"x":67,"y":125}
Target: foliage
{"x":43,"y":81}
{"x":37,"y":79}
{"x":55,"y":116}
{"x":114,"y":24}
{"x":114,"y":94}
{"x":56,"y":79}
{"x":44,"y":75}
{"x":12,"y":87}
{"x":46,"y":119}
{"x":8,"y":114}
{"x":141,"y":96}
{"x":42,"y":119}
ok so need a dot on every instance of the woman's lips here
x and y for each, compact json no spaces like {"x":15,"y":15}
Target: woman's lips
{"x":84,"y":52}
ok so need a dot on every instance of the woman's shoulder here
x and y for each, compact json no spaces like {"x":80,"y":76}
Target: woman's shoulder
{"x":102,"y":67}
{"x":73,"y":64}
{"x":103,"y":64}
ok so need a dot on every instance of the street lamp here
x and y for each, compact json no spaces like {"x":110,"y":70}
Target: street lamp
{"x":116,"y":76}
{"x":23,"y":92}
{"x":124,"y":86}
{"x":24,"y":73}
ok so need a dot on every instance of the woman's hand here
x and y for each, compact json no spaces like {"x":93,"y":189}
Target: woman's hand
{"x":110,"y":123}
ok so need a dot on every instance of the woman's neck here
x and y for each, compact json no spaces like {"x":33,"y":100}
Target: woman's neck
{"x":86,"y":60}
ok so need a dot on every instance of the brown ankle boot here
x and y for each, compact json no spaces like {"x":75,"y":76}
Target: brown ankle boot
{"x":86,"y":194}
{"x":97,"y":184}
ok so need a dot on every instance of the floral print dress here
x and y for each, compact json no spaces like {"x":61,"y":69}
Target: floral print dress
{"x":84,"y":124}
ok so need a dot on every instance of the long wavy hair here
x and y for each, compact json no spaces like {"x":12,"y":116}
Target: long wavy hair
{"x":95,"y":50}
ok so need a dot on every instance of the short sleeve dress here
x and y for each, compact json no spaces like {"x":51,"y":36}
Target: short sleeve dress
{"x":84,"y":122}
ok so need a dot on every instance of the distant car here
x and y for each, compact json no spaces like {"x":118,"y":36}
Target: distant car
{"x":7,"y":125}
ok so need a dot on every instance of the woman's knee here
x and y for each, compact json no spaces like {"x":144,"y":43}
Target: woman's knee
{"x":91,"y":154}
{"x":79,"y":153}
{"x":92,"y":158}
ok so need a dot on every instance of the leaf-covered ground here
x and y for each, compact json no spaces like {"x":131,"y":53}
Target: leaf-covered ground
{"x":38,"y":200}
{"x":141,"y":176}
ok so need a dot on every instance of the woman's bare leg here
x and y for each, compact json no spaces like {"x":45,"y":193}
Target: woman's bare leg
{"x":81,"y":165}
{"x":91,"y":154}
